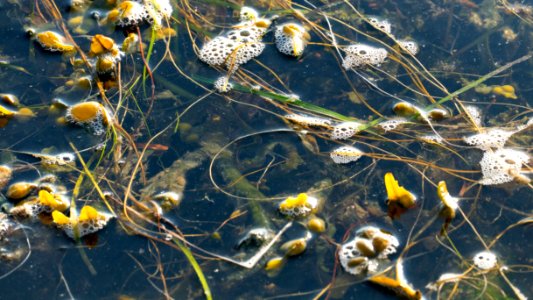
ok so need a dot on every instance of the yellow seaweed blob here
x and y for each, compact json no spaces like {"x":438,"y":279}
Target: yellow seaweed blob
{"x":291,"y":202}
{"x":275,"y":264}
{"x":88,"y":213}
{"x":53,"y":201}
{"x":397,"y":193}
{"x":86,"y":111}
{"x":101,"y":44}
{"x":60,"y":219}
{"x":53,"y":41}
{"x":505,"y":90}
{"x":6,"y":113}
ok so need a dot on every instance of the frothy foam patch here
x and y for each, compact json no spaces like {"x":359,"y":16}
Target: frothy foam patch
{"x":501,"y":166}
{"x":345,"y":130}
{"x":359,"y":55}
{"x":346,"y":154}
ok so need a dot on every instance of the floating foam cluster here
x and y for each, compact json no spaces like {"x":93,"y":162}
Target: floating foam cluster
{"x":128,"y":13}
{"x":300,"y":206}
{"x":91,"y":115}
{"x":5,"y":225}
{"x":381,"y":24}
{"x":53,"y":41}
{"x":239,"y":45}
{"x":46,"y":202}
{"x":89,"y":221}
{"x":370,"y":247}
{"x":345,"y":154}
{"x":131,"y":13}
{"x":291,"y":39}
{"x":308,"y":121}
{"x":248,"y":14}
{"x":475,"y":114}
{"x":494,"y":138}
{"x":157,"y":10}
{"x":345,"y":130}
{"x":222,"y":51}
{"x":360,"y":55}
{"x":410,"y":47}
{"x":502,"y":165}
{"x":222,"y":84}
{"x":485,"y":260}
{"x":392,"y":124}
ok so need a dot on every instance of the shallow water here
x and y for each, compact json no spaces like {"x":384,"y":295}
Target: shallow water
{"x":263,"y":160}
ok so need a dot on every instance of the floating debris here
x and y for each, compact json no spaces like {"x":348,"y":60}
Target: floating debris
{"x":239,"y":46}
{"x":397,"y":193}
{"x":346,"y":154}
{"x":101,"y":44}
{"x":275,"y":264}
{"x":46,"y":202}
{"x":222,"y":85}
{"x":449,"y":203}
{"x":502,"y":165}
{"x":432,"y":139}
{"x":91,"y":115}
{"x":58,"y":162}
{"x":381,"y":24}
{"x":308,"y":121}
{"x":399,"y":200}
{"x":437,"y":114}
{"x":399,"y":284}
{"x":89,"y":221}
{"x":53,"y":41}
{"x":360,"y":55}
{"x":316,"y":224}
{"x":157,"y":11}
{"x":5,"y":225}
{"x":345,"y":130}
{"x":294,"y":247}
{"x":248,"y":14}
{"x":392,"y":124}
{"x":256,"y":237}
{"x":130,"y":45}
{"x":10,"y":99}
{"x":475,"y":114}
{"x":127,"y":13}
{"x":494,"y":138}
{"x":409,"y":46}
{"x":5,"y":175}
{"x":20,"y":190}
{"x":506,"y":91}
{"x":300,"y":206}
{"x":168,"y":200}
{"x":485,"y":260}
{"x":370,"y":248}
{"x":222,"y":51}
{"x":291,"y":39}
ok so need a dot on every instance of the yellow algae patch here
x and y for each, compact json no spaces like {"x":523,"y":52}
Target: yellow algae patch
{"x":20,"y":190}
{"x":6,"y":113}
{"x":27,"y":112}
{"x":91,"y":115}
{"x":89,"y":221}
{"x":505,"y":90}
{"x":398,"y":193}
{"x":101,"y":44}
{"x":299,"y":206}
{"x":54,"y":202}
{"x":59,"y":218}
{"x":85,"y":112}
{"x":53,"y":41}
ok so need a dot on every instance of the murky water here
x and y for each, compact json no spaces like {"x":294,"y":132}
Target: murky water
{"x":231,"y":158}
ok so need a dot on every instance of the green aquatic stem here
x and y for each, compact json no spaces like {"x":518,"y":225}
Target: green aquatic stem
{"x":285,"y":99}
{"x":246,"y":189}
{"x":148,"y":56}
{"x":197,"y":269}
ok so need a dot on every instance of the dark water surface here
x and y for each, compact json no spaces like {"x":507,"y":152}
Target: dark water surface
{"x":459,"y":42}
